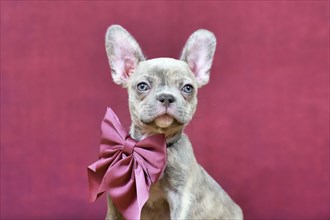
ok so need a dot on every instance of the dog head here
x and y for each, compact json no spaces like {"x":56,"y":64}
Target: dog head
{"x":162,"y":91}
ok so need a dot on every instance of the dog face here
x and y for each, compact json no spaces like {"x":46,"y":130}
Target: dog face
{"x":162,"y":91}
{"x":162,"y":94}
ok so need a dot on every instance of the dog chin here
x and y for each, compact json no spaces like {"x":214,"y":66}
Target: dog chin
{"x":164,"y":121}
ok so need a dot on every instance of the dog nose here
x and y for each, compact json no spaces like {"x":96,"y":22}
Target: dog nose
{"x":166,"y":99}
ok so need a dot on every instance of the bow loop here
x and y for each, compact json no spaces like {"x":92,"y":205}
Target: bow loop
{"x":126,"y":168}
{"x":111,"y":128}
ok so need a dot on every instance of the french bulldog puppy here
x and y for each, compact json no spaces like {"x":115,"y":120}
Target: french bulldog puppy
{"x":163,"y":99}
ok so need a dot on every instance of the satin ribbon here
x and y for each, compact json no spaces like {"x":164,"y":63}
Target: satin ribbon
{"x":126,"y":168}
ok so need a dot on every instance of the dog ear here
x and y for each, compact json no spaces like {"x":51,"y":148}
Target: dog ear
{"x":124,"y":53}
{"x":198,"y":53}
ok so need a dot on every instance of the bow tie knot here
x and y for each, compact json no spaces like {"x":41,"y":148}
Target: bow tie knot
{"x":128,"y":146}
{"x":126,"y":168}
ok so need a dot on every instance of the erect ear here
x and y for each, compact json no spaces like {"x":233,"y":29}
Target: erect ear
{"x":123,"y":52}
{"x":198,"y":53}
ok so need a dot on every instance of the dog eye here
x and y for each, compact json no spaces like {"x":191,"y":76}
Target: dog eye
{"x":188,"y":88}
{"x":142,"y":87}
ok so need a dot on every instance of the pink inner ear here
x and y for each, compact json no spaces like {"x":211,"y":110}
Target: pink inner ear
{"x":193,"y":67}
{"x":130,"y":66}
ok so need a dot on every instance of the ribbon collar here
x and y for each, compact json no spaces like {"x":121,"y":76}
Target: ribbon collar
{"x":126,"y":168}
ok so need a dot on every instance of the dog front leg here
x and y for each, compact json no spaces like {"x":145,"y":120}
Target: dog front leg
{"x":112,"y":213}
{"x":180,"y":199}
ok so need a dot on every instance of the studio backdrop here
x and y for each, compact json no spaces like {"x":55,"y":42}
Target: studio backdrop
{"x":261,"y":129}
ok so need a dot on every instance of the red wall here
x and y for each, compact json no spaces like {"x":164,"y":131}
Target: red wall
{"x":262,"y":125}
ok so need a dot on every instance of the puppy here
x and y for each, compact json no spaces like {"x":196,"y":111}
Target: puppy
{"x":163,"y":99}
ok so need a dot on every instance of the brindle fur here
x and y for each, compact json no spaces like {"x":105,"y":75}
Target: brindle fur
{"x":185,"y":190}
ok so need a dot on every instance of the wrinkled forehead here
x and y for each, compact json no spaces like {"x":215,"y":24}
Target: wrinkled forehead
{"x":164,"y":71}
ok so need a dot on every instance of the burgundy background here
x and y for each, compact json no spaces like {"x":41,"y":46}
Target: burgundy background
{"x":262,"y":125}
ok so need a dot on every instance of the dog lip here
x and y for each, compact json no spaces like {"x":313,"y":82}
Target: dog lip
{"x":167,"y":114}
{"x":163,"y":114}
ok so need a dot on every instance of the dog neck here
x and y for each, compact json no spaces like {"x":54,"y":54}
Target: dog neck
{"x":172,"y":135}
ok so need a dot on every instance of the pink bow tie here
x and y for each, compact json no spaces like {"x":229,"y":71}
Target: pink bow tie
{"x":126,"y":168}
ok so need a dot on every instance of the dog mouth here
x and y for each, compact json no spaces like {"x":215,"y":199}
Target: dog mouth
{"x":164,"y":121}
